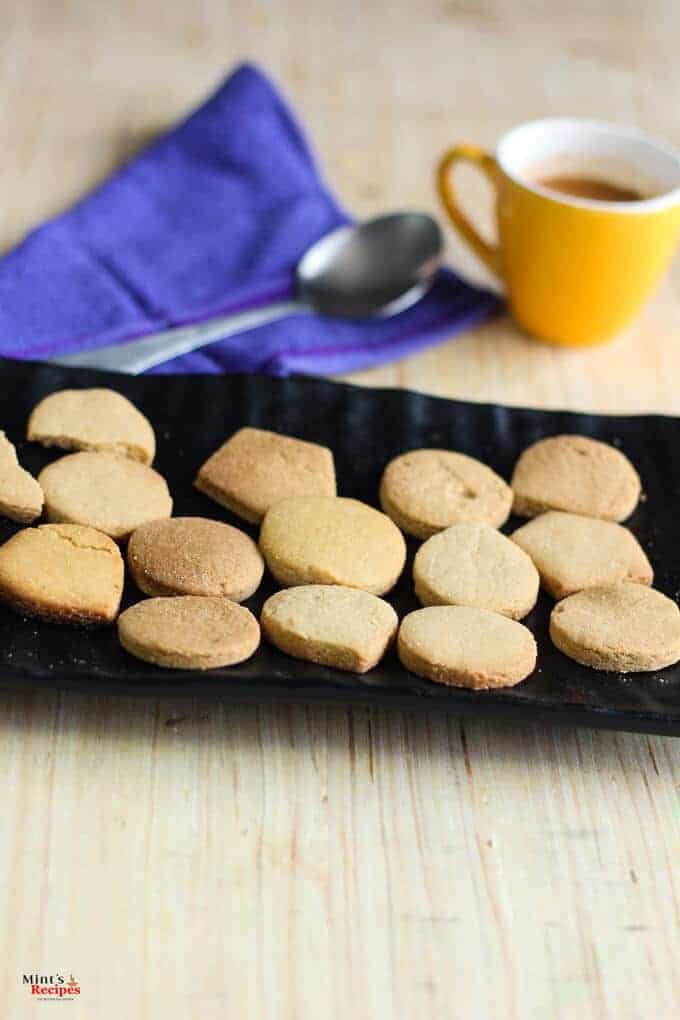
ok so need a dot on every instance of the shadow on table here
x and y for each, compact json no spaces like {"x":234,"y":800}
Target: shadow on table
{"x":365,"y":737}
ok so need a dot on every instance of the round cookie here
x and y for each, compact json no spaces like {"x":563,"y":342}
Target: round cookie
{"x":466,"y":647}
{"x":621,"y":628}
{"x":104,"y":491}
{"x":189,"y":632}
{"x":94,"y":419}
{"x":332,"y":540}
{"x":63,"y":573}
{"x":21,"y":498}
{"x":341,"y":627}
{"x":255,"y":469}
{"x":572,"y":552}
{"x":194,"y":556}
{"x":575,"y":474}
{"x":474,"y":565}
{"x":425,"y":491}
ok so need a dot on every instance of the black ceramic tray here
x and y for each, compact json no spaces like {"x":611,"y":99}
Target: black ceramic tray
{"x":365,"y":428}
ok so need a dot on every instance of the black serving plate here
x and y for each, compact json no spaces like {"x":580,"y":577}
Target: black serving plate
{"x":192,"y":415}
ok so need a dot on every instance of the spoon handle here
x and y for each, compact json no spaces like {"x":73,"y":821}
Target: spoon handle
{"x":135,"y":356}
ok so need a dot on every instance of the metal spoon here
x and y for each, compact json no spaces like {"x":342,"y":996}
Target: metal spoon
{"x":377,"y":268}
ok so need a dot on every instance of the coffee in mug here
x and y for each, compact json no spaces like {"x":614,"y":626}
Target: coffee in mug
{"x":588,"y":219}
{"x":590,"y":187}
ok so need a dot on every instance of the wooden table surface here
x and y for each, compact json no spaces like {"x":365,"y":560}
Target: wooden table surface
{"x":190,"y":858}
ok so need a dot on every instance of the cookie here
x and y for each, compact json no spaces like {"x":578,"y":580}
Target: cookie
{"x":572,"y":552}
{"x":575,"y":474}
{"x":104,"y":491}
{"x":194,"y":556}
{"x":21,"y":498}
{"x":332,"y":540}
{"x":474,"y":565}
{"x":621,"y":628}
{"x":466,"y":647}
{"x":189,"y":632}
{"x":96,"y":419}
{"x":425,"y":491}
{"x":63,"y":573}
{"x":255,"y":469}
{"x":341,"y":627}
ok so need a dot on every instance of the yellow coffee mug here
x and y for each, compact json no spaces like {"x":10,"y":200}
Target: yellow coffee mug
{"x":576,"y":269}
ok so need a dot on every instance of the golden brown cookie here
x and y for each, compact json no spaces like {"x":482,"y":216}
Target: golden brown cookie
{"x":255,"y":469}
{"x":96,"y":419}
{"x":332,"y":540}
{"x":104,"y":491}
{"x":575,"y":474}
{"x":621,"y":628}
{"x":425,"y":491}
{"x":466,"y":647}
{"x":21,"y":498}
{"x":474,"y":565}
{"x":62,"y":572}
{"x":189,"y":632}
{"x":341,"y":627}
{"x":194,"y":556}
{"x":572,"y":552}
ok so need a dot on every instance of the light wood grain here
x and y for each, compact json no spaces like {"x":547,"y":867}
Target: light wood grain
{"x":199,"y":859}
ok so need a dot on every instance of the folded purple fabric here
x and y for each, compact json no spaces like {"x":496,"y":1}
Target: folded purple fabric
{"x":211,"y":218}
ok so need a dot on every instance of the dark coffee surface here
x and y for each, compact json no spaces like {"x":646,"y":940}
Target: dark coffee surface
{"x":590,"y":187}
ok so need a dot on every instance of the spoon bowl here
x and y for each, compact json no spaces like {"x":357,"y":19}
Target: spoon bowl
{"x":375,"y":268}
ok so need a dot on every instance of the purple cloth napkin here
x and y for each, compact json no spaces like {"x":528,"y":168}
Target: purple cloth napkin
{"x":211,"y":218}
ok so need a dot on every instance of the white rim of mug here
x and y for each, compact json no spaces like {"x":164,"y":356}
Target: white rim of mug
{"x":644,"y":205}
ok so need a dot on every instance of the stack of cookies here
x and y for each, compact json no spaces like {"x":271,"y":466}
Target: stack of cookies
{"x":334,"y":558}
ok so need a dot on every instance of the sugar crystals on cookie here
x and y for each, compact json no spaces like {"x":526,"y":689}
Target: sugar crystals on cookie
{"x":194,"y":556}
{"x":189,"y":632}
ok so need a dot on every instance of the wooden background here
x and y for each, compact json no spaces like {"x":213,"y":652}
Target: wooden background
{"x":198,"y":859}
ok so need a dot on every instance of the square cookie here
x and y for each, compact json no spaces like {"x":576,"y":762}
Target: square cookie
{"x":255,"y":469}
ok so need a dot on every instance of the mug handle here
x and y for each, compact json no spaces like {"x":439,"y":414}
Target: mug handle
{"x":488,"y":253}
